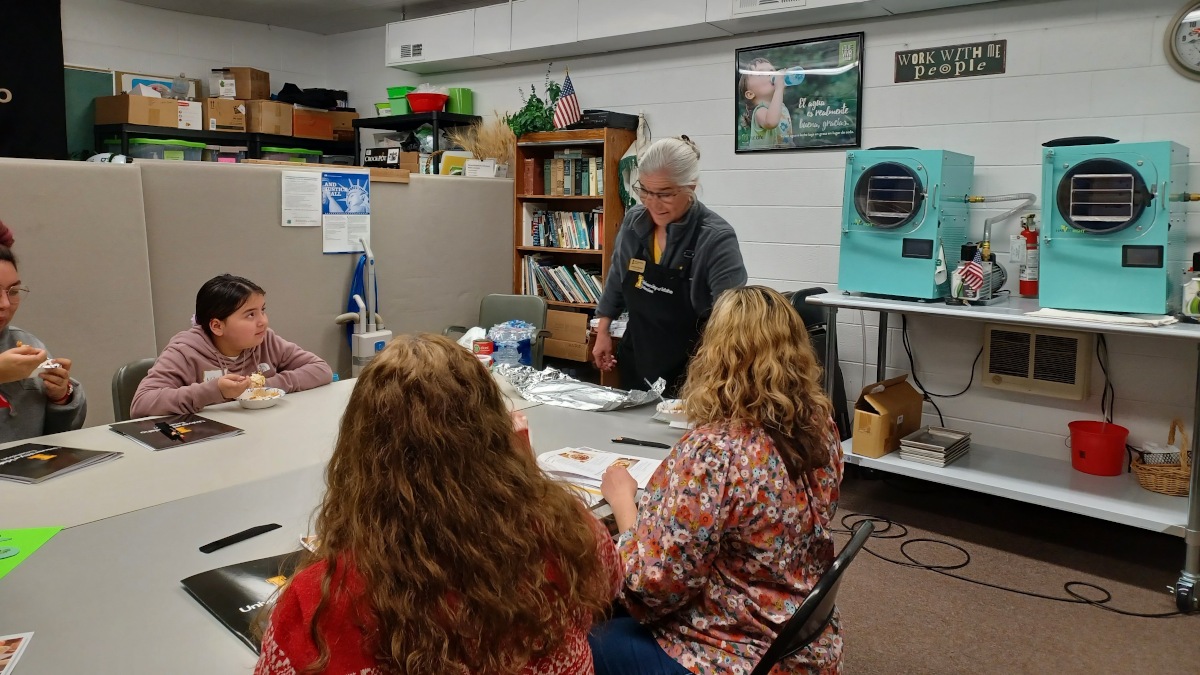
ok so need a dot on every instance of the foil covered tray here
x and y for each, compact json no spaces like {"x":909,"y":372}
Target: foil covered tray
{"x":936,"y":439}
{"x":552,"y":387}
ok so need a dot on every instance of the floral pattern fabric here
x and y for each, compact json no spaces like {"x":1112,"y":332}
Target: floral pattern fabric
{"x":725,"y":549}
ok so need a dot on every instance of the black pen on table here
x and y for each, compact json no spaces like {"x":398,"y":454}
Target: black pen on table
{"x":168,"y":431}
{"x":634,"y":441}
{"x":240,"y":536}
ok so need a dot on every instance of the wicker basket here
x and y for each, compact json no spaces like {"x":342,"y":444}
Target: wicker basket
{"x":1167,"y":479}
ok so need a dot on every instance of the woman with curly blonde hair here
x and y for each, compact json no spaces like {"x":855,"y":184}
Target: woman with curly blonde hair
{"x":733,"y":530}
{"x":442,"y":547}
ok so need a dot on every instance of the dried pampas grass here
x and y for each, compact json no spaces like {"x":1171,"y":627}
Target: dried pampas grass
{"x":490,"y":138}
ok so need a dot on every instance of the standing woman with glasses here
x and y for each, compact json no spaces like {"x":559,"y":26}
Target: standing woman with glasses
{"x":47,"y":402}
{"x":672,"y":258}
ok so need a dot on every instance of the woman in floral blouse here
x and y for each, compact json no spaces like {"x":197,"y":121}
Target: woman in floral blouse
{"x":733,"y":530}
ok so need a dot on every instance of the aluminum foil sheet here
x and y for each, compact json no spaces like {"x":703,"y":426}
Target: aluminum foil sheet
{"x":552,"y":387}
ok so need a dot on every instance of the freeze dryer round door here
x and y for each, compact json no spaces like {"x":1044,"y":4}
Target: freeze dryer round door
{"x":1102,"y":196}
{"x":889,"y":195}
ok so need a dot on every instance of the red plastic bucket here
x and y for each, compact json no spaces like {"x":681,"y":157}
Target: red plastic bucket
{"x":1098,"y":448}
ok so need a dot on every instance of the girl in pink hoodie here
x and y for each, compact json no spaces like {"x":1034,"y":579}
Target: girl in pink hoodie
{"x":212,"y":362}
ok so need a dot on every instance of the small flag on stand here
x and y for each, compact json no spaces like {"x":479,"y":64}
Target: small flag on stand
{"x":972,"y":273}
{"x":566,"y":110}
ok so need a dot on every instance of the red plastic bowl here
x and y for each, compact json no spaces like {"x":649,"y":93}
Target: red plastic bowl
{"x":426,"y":101}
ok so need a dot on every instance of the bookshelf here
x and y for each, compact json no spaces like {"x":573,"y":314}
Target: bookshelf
{"x":604,"y":144}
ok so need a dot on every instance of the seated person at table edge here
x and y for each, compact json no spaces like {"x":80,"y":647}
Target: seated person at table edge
{"x":732,"y":532}
{"x":213,"y":360}
{"x":31,"y":406}
{"x":441,"y":547}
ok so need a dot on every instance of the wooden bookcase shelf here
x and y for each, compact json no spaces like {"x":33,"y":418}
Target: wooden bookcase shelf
{"x":540,"y":147}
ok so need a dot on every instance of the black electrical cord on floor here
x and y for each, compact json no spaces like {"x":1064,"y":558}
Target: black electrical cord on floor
{"x":888,"y":529}
{"x":912,"y":367}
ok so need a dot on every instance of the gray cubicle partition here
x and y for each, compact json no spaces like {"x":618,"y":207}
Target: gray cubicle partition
{"x":81,"y":241}
{"x":441,"y":244}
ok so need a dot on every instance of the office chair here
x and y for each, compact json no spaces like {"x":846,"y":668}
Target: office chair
{"x":815,"y":612}
{"x":125,"y":383}
{"x":814,"y":322}
{"x":498,"y":308}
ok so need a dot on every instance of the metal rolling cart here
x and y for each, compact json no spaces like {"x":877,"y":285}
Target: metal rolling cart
{"x":1031,"y":478}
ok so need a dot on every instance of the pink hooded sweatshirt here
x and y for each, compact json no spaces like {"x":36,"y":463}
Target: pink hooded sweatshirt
{"x":184,"y":378}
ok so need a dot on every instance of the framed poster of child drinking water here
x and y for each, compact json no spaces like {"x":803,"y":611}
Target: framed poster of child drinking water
{"x":800,"y":95}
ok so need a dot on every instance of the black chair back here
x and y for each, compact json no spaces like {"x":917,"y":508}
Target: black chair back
{"x":816,"y":611}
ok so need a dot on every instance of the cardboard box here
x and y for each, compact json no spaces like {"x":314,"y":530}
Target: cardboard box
{"x":567,"y":326}
{"x":224,"y":114}
{"x":343,"y":124}
{"x":269,"y":117}
{"x":190,"y":115}
{"x":884,"y":413}
{"x":128,"y":109}
{"x":566,"y":350}
{"x":309,"y":123}
{"x":251,"y":84}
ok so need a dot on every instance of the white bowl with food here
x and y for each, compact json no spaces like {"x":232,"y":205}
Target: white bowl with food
{"x":259,"y":397}
{"x":670,"y":410}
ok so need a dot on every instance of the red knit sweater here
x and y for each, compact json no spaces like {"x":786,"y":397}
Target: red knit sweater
{"x":287,"y":648}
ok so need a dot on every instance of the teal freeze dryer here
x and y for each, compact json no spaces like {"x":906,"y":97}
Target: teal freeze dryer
{"x":903,"y":212}
{"x":1113,"y":231}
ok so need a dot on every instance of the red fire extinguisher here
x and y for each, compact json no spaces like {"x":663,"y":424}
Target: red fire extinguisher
{"x":1029,"y":265}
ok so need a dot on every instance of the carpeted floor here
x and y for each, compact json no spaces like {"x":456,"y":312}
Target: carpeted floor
{"x":901,"y":620}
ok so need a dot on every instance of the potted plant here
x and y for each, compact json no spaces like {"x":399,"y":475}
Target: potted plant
{"x":536,"y":114}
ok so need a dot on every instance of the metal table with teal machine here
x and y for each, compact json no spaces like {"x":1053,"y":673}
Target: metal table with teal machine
{"x":1034,"y":479}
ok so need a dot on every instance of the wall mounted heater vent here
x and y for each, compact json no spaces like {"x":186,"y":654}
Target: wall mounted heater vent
{"x":742,"y":7}
{"x":1037,"y":361}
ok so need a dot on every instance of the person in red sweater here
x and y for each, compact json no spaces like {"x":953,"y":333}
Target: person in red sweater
{"x":212,"y":361}
{"x":442,"y":547}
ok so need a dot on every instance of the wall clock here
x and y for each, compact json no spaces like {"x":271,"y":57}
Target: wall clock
{"x":1182,"y":41}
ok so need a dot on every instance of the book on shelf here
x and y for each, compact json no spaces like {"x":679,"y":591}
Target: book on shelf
{"x":583,"y":468}
{"x":562,"y":283}
{"x":564,"y":229}
{"x":235,"y":594}
{"x":531,"y":176}
{"x":161,"y":433}
{"x":32,"y":463}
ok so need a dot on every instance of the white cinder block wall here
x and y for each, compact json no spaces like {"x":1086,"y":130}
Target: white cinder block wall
{"x":1075,"y":67}
{"x":133,"y":38}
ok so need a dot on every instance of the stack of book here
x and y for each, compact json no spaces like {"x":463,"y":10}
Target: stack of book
{"x":564,"y":283}
{"x":936,"y":446}
{"x":573,"y":173}
{"x":567,"y":229}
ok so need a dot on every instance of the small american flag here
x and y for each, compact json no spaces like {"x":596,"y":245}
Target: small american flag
{"x":972,"y":273}
{"x":566,"y":111}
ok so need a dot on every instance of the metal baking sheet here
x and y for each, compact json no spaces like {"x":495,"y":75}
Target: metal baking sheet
{"x":938,"y":439}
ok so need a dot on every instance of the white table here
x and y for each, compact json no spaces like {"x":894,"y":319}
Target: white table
{"x":106,"y":596}
{"x":1030,"y":478}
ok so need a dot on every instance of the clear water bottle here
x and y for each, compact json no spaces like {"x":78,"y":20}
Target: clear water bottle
{"x":506,"y":353}
{"x":508,"y":338}
{"x":793,"y":76}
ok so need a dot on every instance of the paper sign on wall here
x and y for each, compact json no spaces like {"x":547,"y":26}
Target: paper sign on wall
{"x":345,"y":210}
{"x":301,"y":199}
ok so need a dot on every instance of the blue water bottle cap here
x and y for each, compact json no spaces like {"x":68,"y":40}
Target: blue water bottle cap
{"x":335,"y":377}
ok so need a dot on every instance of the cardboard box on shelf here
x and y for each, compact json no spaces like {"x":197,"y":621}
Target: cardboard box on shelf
{"x":269,"y":117}
{"x":343,"y":124}
{"x":311,"y":123}
{"x":250,"y":83}
{"x":191,"y":115}
{"x":884,"y":413}
{"x":224,"y":114}
{"x":565,"y":350}
{"x":567,"y":326}
{"x":129,"y":109}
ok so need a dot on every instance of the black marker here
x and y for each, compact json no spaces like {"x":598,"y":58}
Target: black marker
{"x":634,"y":441}
{"x":240,"y":536}
{"x":168,"y":431}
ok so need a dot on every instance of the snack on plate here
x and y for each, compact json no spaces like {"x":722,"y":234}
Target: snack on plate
{"x":671,"y":406}
{"x":258,"y":380}
{"x":263,"y":393}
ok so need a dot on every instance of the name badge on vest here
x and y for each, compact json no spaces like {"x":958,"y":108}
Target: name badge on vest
{"x":637,"y":265}
{"x":210,"y":375}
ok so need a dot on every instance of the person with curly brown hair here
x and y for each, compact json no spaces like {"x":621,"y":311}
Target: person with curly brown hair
{"x":442,"y":547}
{"x":732,"y":532}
